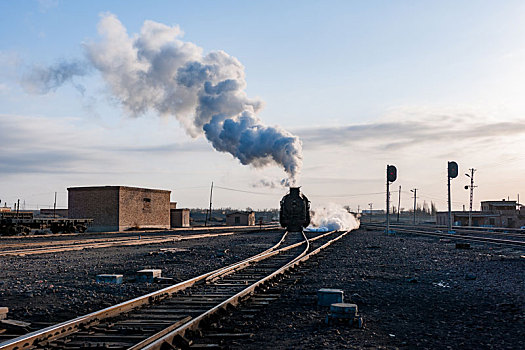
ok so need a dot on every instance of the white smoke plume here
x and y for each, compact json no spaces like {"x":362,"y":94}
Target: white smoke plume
{"x":269,"y":183}
{"x":41,"y":80}
{"x":156,"y":70}
{"x":332,"y":216}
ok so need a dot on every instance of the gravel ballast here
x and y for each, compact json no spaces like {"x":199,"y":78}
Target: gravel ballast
{"x":413,"y":292}
{"x":49,"y":288}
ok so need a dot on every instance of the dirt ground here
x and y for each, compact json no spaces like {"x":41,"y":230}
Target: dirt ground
{"x":413,"y":292}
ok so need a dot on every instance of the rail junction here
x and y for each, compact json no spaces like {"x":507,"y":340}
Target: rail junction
{"x":179,"y":315}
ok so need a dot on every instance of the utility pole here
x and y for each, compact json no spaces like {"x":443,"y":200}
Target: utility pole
{"x":55,"y":207}
{"x":398,"y":203}
{"x":472,"y":170}
{"x":211,"y":196}
{"x":370,"y":204}
{"x":17,"y":208}
{"x":415,"y":196}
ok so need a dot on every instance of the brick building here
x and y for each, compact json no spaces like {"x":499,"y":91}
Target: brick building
{"x":240,"y":218}
{"x":118,"y":208}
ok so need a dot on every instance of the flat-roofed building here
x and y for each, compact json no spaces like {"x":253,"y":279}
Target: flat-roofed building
{"x":119,"y":208}
{"x":242,"y":218}
{"x":180,"y":217}
{"x":493,"y":214}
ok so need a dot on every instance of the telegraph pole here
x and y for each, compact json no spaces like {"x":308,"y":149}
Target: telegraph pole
{"x":415,"y":196}
{"x":211,"y":196}
{"x":398,"y":203}
{"x":472,"y":170}
{"x":55,"y":207}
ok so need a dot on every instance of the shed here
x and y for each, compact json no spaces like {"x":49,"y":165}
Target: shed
{"x":241,"y":218}
{"x":180,"y":217}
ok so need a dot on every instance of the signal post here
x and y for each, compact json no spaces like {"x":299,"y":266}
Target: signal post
{"x":452,"y":172}
{"x":391,"y":176}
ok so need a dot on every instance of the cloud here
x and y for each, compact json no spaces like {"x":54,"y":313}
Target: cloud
{"x":405,"y":133}
{"x":39,"y":161}
{"x":188,"y":147}
{"x":32,"y":144}
{"x":39,"y":145}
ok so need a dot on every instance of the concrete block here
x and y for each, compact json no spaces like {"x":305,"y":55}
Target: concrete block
{"x":327,"y":297}
{"x":108,"y":278}
{"x":3,"y":313}
{"x":148,"y":275}
{"x":343,"y":310}
{"x":344,"y":313}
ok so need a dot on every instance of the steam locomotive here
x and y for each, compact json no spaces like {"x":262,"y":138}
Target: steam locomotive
{"x":295,"y":211}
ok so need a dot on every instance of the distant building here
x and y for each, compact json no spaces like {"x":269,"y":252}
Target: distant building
{"x":493,"y":214}
{"x":501,"y":207}
{"x":118,"y":208}
{"x":60,"y":213}
{"x":13,"y":214}
{"x":373,"y":211}
{"x":460,"y":218}
{"x":244,"y":218}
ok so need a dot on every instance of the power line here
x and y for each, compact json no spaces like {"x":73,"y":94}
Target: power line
{"x":347,"y":195}
{"x":244,"y":191}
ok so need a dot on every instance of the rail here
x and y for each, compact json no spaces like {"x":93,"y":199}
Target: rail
{"x":435,"y":232}
{"x":47,"y":335}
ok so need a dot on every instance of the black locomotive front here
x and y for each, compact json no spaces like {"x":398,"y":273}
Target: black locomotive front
{"x":295,"y":210}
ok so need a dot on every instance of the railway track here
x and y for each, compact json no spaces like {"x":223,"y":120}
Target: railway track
{"x":170,"y":317}
{"x":22,"y":249}
{"x":461,"y":234}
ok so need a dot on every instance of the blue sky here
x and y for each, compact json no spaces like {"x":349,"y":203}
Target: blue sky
{"x":362,"y":84}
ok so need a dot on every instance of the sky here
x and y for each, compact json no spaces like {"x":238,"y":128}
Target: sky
{"x":360,"y":84}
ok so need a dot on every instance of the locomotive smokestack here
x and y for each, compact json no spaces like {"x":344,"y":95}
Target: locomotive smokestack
{"x":294,"y":191}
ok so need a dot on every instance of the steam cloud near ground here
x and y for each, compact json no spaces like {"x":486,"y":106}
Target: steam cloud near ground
{"x":156,"y":70}
{"x":332,"y":216}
